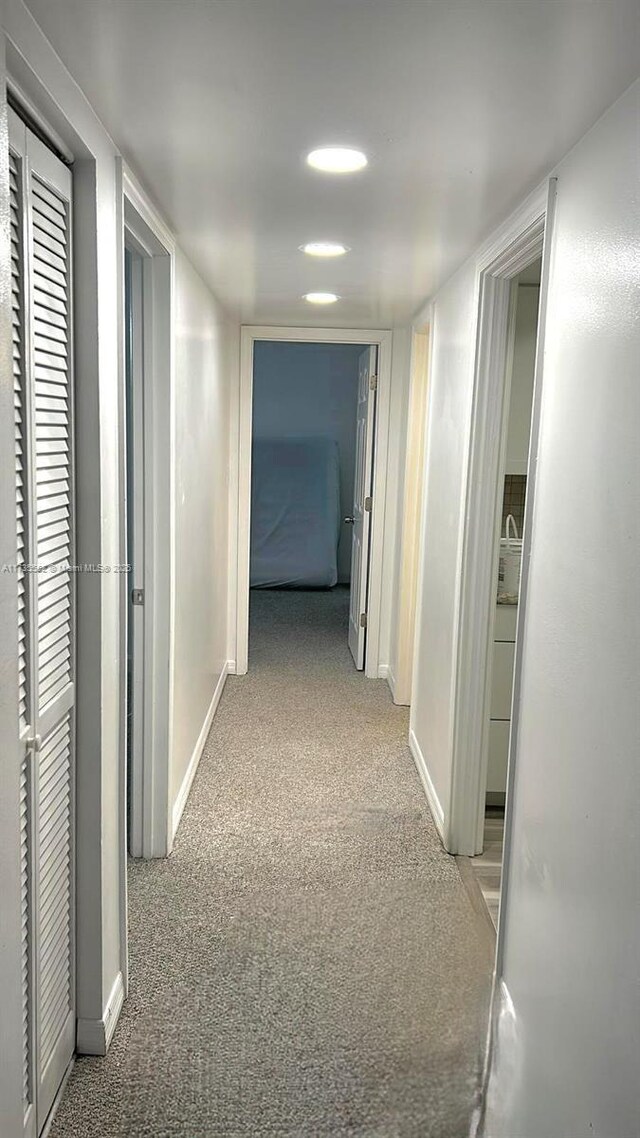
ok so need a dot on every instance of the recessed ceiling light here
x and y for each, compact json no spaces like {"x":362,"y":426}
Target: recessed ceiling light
{"x":321,"y":297}
{"x":324,"y":249}
{"x":337,"y":159}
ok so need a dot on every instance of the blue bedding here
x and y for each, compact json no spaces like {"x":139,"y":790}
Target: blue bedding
{"x":295,"y":513}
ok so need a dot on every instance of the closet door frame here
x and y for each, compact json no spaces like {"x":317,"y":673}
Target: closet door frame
{"x":26,"y":730}
{"x":11,"y":1067}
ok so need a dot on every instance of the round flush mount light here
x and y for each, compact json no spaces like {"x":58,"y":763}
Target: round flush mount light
{"x":321,"y":297}
{"x":337,"y":160}
{"x":324,"y":249}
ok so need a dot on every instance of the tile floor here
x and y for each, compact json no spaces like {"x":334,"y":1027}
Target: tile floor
{"x":487,"y":867}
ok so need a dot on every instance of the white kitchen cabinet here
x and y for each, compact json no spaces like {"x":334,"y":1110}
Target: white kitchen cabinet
{"x":501,"y":690}
{"x":502,"y":680}
{"x":498,"y":756}
{"x":521,"y":391}
{"x":505,"y":623}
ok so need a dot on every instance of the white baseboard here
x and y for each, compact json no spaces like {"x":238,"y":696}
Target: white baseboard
{"x":190,"y":773}
{"x":429,"y":789}
{"x":401,"y":695}
{"x":386,"y":672}
{"x":391,"y":680}
{"x":93,"y":1036}
{"x":231,"y":667}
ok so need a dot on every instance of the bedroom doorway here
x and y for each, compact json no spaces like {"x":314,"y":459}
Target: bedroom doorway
{"x":313,"y":423}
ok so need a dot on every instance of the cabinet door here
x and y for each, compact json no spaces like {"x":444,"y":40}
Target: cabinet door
{"x":499,"y":730}
{"x":505,"y":623}
{"x":502,"y":680}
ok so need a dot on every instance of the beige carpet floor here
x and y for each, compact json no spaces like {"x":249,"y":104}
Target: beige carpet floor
{"x":307,"y":962}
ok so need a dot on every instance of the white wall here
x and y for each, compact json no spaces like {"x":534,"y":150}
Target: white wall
{"x":446,"y":455}
{"x":206,"y":365}
{"x":407,"y":544}
{"x":568,"y":1020}
{"x":311,"y":389}
{"x":570,"y":921}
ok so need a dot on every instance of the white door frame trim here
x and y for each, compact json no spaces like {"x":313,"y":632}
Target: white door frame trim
{"x":383,"y":340}
{"x":515,"y":246}
{"x":146,"y":234}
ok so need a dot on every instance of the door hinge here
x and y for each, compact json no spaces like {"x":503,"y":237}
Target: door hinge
{"x":373,"y":383}
{"x":368,"y":503}
{"x":363,"y":620}
{"x":137,"y":596}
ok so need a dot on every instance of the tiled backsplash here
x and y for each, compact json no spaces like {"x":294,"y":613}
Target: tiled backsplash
{"x":515,"y":492}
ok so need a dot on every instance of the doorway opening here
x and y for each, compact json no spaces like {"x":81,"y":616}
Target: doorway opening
{"x":313,"y":424}
{"x":146,"y":465}
{"x":512,"y":275}
{"x":522,"y":335}
{"x":135,"y":529}
{"x":314,"y":415}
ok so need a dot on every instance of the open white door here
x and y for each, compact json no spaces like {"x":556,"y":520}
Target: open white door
{"x":362,"y":503}
{"x":135,"y":550}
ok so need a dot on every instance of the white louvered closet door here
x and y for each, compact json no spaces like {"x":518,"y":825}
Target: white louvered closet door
{"x":41,"y":282}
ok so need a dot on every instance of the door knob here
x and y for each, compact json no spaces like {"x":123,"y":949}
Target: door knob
{"x":349,"y":521}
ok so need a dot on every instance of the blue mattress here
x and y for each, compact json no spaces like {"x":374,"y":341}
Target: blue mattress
{"x":295,"y":513}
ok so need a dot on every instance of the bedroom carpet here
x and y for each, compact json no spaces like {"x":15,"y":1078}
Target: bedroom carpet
{"x":307,"y":963}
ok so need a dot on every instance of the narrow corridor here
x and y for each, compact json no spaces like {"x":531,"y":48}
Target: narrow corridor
{"x":306,"y":963}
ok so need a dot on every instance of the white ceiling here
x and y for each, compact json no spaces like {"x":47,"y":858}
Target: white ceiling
{"x":461,"y":106}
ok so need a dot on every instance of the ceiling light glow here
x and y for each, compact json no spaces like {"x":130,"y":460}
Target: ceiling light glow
{"x":324,"y":249}
{"x":337,"y":160}
{"x":321,"y":297}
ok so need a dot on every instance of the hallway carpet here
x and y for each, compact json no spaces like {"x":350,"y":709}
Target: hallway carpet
{"x":306,"y":963}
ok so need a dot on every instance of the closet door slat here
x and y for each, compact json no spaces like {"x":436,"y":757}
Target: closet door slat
{"x":51,"y":345}
{"x":55,"y":1001}
{"x":18,"y":334}
{"x":21,"y":411}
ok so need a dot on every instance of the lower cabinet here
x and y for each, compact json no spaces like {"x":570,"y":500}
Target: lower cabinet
{"x":498,"y":756}
{"x":501,"y":691}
